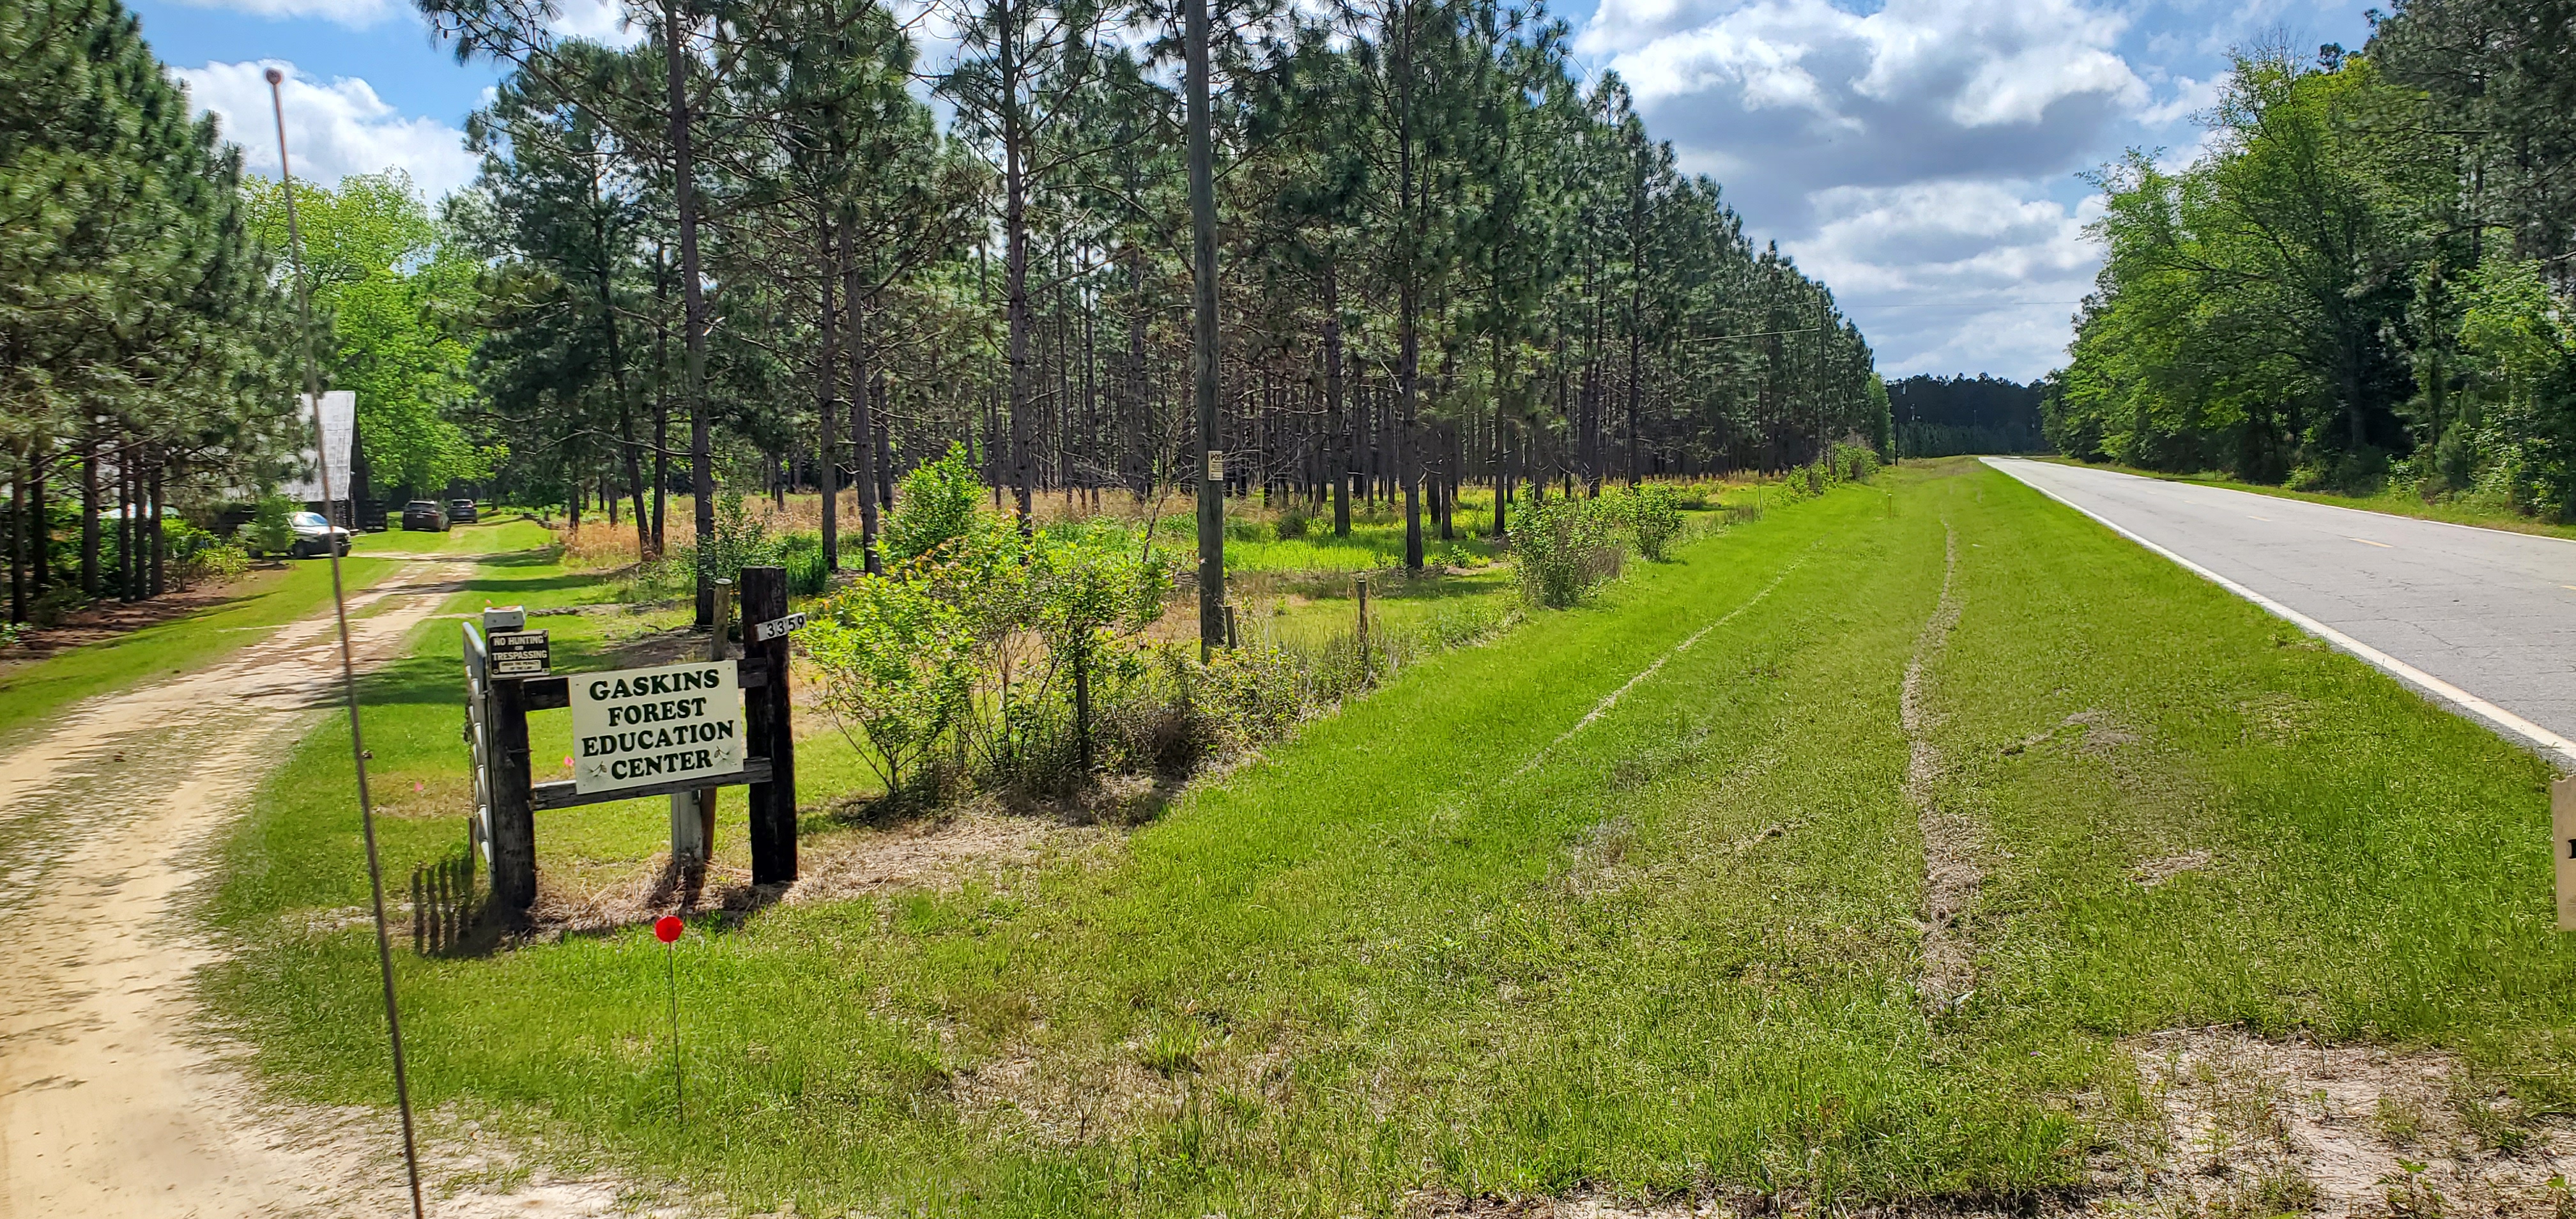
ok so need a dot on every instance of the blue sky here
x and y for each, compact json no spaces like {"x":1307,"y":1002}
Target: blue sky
{"x":1921,"y":156}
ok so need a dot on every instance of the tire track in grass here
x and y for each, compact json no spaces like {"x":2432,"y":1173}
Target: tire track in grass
{"x":1951,"y":873}
{"x":1611,"y":699}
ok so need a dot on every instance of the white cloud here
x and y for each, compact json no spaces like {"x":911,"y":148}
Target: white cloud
{"x":1904,"y":154}
{"x":2190,"y":98}
{"x":333,"y":130}
{"x":355,"y":14}
{"x":1952,"y":276}
{"x":602,"y":21}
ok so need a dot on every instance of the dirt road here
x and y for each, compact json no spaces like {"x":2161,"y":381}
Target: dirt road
{"x":112,"y":1102}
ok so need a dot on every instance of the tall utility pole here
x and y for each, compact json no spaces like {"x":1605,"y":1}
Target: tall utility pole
{"x":1202,"y":151}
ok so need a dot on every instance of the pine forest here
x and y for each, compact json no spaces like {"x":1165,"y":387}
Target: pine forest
{"x":775,"y":245}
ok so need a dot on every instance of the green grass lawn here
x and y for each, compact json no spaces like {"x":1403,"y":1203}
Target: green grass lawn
{"x":32,"y":692}
{"x":502,"y":534}
{"x":2393,"y":499}
{"x":1308,"y":610}
{"x":1455,"y":938}
{"x":1375,"y":543}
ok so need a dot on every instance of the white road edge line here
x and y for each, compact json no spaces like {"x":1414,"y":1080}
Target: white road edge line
{"x":2496,"y":717}
{"x":2288,"y":499}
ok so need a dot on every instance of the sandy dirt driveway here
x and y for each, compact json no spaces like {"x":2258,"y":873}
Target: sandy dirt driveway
{"x":112,"y":1099}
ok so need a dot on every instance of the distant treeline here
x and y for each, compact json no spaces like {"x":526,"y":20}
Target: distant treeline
{"x":1943,"y":416}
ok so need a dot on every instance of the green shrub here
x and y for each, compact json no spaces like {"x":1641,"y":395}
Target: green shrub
{"x":1255,"y":693}
{"x":58,"y":604}
{"x":271,"y":528}
{"x":1174,"y":713}
{"x":1562,"y":549}
{"x":210,"y":564}
{"x":183,"y":539}
{"x":1853,"y":462}
{"x":741,"y":540}
{"x":2455,"y":459}
{"x":1653,"y":516}
{"x":941,"y":504}
{"x":802,"y":555}
{"x":898,"y":665}
{"x":1294,"y":523}
{"x":1085,"y":592}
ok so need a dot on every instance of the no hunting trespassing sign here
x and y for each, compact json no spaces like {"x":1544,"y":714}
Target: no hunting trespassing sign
{"x":639,"y":727}
{"x":520,"y":654}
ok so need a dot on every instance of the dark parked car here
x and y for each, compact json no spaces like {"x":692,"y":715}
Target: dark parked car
{"x":425,"y":514}
{"x":462,"y":512}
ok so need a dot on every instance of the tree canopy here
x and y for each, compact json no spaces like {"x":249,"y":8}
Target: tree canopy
{"x":144,"y":342}
{"x":1443,"y":258}
{"x":2364,"y":278}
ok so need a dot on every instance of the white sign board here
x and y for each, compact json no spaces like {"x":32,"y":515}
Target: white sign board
{"x":775,"y":627}
{"x":640,"y":727}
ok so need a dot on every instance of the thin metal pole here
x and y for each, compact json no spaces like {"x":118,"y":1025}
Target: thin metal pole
{"x":348,"y":659}
{"x":671,"y":975}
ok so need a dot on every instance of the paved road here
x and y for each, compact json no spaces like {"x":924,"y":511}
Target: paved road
{"x":2479,"y":618}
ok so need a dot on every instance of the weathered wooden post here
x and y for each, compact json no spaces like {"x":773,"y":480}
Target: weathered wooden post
{"x":693,"y":813}
{"x":1364,"y":666}
{"x":768,"y":725}
{"x":513,"y":819}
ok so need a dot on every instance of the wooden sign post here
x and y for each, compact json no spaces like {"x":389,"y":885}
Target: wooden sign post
{"x":773,"y":800}
{"x":2562,"y":847}
{"x":669,"y":730}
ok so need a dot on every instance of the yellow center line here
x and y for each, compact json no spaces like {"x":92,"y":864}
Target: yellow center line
{"x":2569,"y":587}
{"x":2259,"y":518}
{"x":2368,"y":542}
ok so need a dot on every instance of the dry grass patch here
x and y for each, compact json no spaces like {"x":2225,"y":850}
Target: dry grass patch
{"x":2225,"y":1123}
{"x":932,"y":854}
{"x":2155,"y":872}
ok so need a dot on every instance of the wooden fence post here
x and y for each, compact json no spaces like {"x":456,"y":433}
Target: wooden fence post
{"x":1363,"y":632}
{"x":770,"y":730}
{"x":514,"y":819}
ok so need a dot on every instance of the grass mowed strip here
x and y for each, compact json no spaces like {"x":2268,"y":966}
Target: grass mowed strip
{"x":496,"y":535}
{"x":1678,"y":954}
{"x":32,"y":692}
